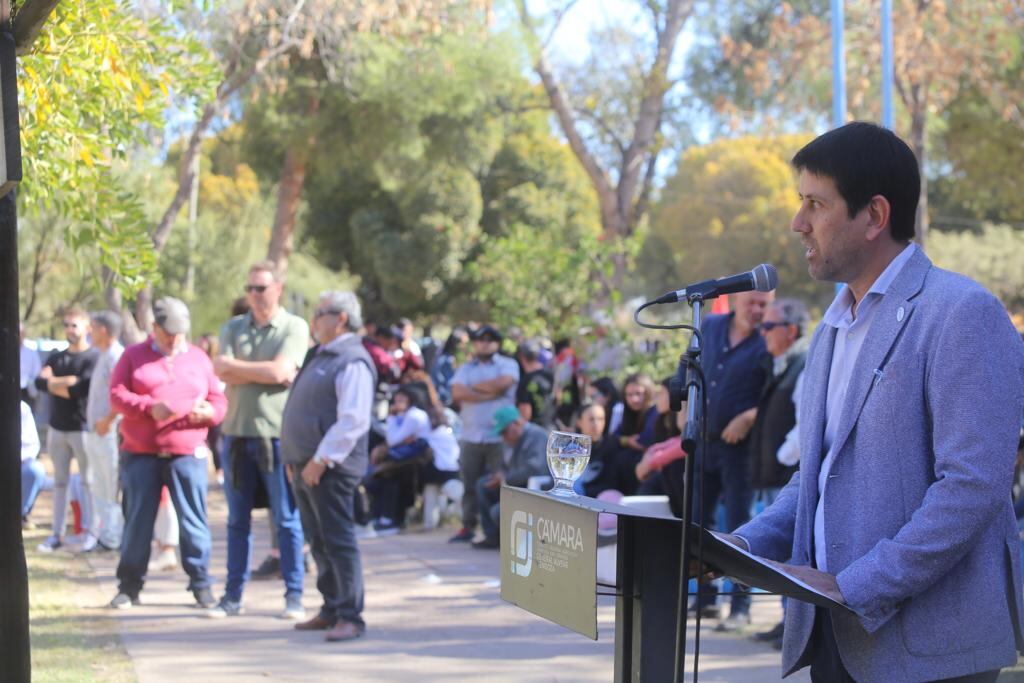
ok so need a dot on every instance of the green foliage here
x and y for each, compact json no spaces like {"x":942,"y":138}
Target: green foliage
{"x":98,"y":80}
{"x":539,"y":278}
{"x":728,"y":208}
{"x":992,"y":257}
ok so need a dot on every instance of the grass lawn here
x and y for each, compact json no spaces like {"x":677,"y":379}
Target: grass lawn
{"x":73,"y":639}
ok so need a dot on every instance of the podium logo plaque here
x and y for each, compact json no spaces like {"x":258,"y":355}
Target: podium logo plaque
{"x":549,"y":558}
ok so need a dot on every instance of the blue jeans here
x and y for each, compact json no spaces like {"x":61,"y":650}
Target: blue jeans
{"x":240,"y":491}
{"x":328,"y":519}
{"x":726,"y":475}
{"x":490,"y":512}
{"x":142,"y":476}
{"x":33,"y":475}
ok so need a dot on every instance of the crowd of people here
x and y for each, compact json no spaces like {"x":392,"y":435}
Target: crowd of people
{"x":340,"y":425}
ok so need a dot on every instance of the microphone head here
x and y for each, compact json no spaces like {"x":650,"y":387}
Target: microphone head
{"x":766,"y":278}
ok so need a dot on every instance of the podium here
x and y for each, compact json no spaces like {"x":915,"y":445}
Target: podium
{"x":549,"y":567}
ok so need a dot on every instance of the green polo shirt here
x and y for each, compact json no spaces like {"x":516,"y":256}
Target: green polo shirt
{"x":256,"y":409}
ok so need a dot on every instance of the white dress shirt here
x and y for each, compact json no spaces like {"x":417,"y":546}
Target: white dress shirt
{"x":850,"y":335}
{"x":354,"y":388}
{"x":29,"y":435}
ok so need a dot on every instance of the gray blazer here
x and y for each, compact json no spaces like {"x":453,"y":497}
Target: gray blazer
{"x":919,"y":520}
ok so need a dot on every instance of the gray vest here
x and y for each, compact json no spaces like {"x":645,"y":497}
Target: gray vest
{"x":312,"y":406}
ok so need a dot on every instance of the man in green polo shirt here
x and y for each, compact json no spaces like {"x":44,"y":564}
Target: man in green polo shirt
{"x":261,"y":352}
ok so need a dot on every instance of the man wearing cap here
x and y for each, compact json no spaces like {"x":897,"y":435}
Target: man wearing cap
{"x":260,"y":354}
{"x":168,"y":396}
{"x":482,"y":386}
{"x":528,"y":459}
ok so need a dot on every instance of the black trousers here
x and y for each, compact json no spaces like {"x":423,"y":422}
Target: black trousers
{"x":827,"y":666}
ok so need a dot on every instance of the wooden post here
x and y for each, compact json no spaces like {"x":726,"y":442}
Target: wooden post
{"x":15,"y":662}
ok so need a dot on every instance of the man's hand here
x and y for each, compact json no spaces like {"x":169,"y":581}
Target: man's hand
{"x":46,"y":372}
{"x":290,"y":377}
{"x":160,"y":411}
{"x":823,"y":582}
{"x":202,"y":412}
{"x":496,"y":480}
{"x":643,"y":469}
{"x":103,"y":424}
{"x":739,"y":427}
{"x":312,"y":472}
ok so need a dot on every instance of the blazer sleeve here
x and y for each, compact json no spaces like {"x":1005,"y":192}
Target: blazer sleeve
{"x":973,"y":389}
{"x":770,"y":534}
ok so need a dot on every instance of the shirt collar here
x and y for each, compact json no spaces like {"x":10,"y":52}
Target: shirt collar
{"x":275,"y":320}
{"x":840,"y":313}
{"x":336,"y":343}
{"x":179,"y":348}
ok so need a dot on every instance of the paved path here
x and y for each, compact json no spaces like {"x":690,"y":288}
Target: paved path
{"x":433,"y":614}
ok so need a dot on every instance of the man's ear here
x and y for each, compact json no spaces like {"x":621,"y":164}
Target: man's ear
{"x":879,"y":213}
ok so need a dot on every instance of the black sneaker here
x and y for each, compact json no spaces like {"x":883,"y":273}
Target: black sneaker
{"x":124,"y":601}
{"x":487,"y":543}
{"x":270,"y":568}
{"x":204,"y":598}
{"x":465,"y":535}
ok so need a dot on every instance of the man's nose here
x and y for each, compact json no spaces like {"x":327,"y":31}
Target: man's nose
{"x":799,"y":222}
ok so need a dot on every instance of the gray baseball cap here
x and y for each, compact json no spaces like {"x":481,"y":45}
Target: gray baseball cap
{"x":172,"y":315}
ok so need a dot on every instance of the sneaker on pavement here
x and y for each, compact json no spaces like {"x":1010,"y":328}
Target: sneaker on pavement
{"x":87,"y":546}
{"x":270,"y":568}
{"x":50,"y":544}
{"x":487,"y":543}
{"x":204,"y":598}
{"x":225,"y":608}
{"x":366,"y":531}
{"x":734,"y":622}
{"x":386,"y":528}
{"x":775,"y":633}
{"x":124,"y":601}
{"x":293,"y":609}
{"x":464,"y":535}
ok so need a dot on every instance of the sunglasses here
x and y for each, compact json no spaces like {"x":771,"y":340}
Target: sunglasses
{"x":320,"y":312}
{"x":259,"y":289}
{"x":768,"y":327}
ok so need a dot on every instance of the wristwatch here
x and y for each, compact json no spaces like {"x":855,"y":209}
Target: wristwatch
{"x":326,"y":462}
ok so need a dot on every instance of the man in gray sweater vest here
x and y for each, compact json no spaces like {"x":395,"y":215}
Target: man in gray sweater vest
{"x":324,"y":434}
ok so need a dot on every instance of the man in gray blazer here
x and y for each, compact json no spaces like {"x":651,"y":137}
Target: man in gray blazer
{"x":912,"y":398}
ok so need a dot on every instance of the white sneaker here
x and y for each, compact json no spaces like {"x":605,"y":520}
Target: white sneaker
{"x":49,"y":545}
{"x":366,"y":531}
{"x":164,"y":561}
{"x":293,"y":609}
{"x":86,"y":546}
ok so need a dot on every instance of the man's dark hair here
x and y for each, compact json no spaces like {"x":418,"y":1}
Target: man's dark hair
{"x":864,"y":160}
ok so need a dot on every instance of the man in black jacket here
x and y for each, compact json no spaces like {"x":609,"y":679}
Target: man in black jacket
{"x":775,"y":449}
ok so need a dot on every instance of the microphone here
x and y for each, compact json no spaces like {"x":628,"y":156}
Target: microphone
{"x":763,"y":278}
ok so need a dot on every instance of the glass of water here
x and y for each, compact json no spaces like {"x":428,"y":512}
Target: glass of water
{"x":568,"y":455}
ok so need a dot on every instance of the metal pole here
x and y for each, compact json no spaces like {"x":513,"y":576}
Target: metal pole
{"x":888,"y":116}
{"x":838,"y":66}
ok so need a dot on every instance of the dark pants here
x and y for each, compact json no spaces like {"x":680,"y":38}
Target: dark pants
{"x":827,"y":665}
{"x":490,"y":514}
{"x":328,"y":520}
{"x":476,"y":460}
{"x":242,"y":476}
{"x":142,"y":476}
{"x":726,"y":475}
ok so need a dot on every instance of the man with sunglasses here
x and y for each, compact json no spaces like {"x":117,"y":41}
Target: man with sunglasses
{"x":260,"y":353}
{"x":65,"y":376}
{"x":324,"y":441}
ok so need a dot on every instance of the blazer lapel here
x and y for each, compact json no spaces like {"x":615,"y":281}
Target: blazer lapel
{"x":812,"y":412}
{"x":888,"y":322}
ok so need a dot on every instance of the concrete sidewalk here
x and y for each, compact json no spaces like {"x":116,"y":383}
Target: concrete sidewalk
{"x":433,"y":613}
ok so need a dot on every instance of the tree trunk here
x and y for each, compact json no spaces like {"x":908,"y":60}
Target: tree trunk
{"x":14,"y":633}
{"x":289,"y":191}
{"x":918,"y":122}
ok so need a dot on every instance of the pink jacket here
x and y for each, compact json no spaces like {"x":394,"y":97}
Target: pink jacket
{"x":144,"y":377}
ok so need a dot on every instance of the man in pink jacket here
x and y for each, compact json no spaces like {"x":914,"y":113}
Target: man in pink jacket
{"x":168,"y":396}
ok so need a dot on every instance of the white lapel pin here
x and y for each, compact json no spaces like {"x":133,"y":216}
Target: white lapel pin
{"x":899,"y":315}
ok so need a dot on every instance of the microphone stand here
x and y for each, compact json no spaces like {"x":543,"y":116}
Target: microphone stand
{"x":687,"y":377}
